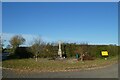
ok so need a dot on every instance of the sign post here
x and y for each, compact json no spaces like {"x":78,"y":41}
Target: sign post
{"x":105,"y":54}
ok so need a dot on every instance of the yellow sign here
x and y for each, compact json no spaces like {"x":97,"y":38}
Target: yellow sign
{"x":104,"y":53}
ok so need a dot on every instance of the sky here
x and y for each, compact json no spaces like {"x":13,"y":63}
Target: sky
{"x":91,"y":22}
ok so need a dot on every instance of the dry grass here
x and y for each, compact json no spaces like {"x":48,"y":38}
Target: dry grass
{"x":55,"y":65}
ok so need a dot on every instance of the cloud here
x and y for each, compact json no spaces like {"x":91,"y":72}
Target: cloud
{"x":28,"y":37}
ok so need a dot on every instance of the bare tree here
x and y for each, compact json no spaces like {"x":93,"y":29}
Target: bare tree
{"x":1,"y":45}
{"x":37,"y":47}
{"x":2,"y":41}
{"x":82,"y":50}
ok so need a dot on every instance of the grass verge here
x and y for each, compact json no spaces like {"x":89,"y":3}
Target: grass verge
{"x":44,"y":65}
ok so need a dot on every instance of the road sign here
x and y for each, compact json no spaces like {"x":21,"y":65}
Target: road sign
{"x":104,"y":53}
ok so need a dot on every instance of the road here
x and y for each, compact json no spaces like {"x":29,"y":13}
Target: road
{"x":108,"y":72}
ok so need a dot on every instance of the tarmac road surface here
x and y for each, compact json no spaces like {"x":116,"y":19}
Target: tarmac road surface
{"x":107,"y":72}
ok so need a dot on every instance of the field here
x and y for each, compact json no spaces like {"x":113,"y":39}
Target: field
{"x":46,"y":65}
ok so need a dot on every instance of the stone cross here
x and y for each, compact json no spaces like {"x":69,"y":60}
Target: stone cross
{"x":59,"y":50}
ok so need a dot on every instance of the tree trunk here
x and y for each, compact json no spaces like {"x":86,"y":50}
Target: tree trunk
{"x":81,"y":58}
{"x":82,"y":55}
{"x":36,"y":57}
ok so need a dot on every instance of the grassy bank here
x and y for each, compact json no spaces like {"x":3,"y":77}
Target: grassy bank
{"x":57,"y":65}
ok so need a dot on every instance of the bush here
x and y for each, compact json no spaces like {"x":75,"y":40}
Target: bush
{"x":50,"y":51}
{"x":21,"y":52}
